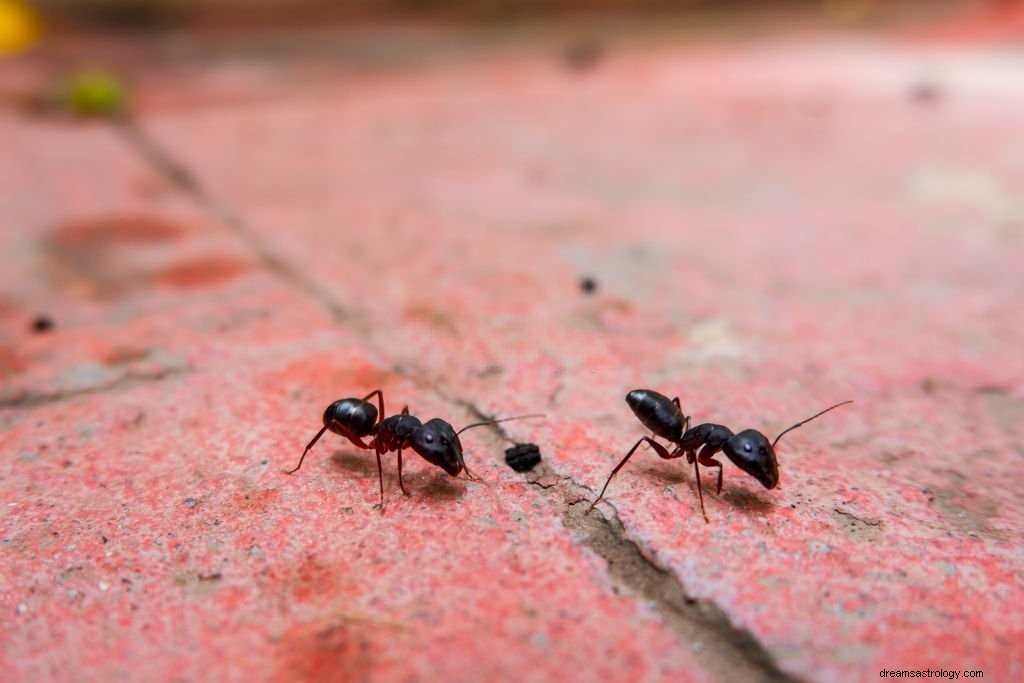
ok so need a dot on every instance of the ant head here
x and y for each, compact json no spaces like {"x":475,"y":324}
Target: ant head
{"x":438,"y":443}
{"x":355,"y":414}
{"x":751,"y":451}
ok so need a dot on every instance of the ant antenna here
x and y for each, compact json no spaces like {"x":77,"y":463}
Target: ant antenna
{"x":504,"y":419}
{"x":800,"y":424}
{"x":465,"y":468}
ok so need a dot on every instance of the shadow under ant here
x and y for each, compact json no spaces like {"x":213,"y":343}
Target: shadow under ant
{"x":353,"y":463}
{"x":669,"y":475}
{"x":745,"y":500}
{"x":738,"y":497}
{"x":433,"y":488}
{"x":441,"y":488}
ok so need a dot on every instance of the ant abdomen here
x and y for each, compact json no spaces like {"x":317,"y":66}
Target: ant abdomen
{"x":351,"y":415}
{"x":658,"y":413}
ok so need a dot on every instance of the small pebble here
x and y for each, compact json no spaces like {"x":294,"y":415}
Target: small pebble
{"x":522,"y":457}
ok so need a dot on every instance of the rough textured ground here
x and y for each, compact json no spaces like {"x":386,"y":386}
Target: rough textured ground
{"x":772,"y":226}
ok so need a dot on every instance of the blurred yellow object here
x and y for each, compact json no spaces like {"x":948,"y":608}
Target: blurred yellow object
{"x":19,"y":26}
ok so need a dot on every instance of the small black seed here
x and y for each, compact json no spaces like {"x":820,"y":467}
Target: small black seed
{"x":522,"y":457}
{"x":588,"y":285}
{"x":42,"y":324}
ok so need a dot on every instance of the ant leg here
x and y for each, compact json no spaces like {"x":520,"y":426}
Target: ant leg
{"x":380,"y":475}
{"x":659,"y":449}
{"x":405,"y":410}
{"x":704,"y":458}
{"x":342,"y":431}
{"x":686,"y":418}
{"x":308,"y":446}
{"x":400,"y":472}
{"x":380,"y":403}
{"x":700,"y":493}
{"x":357,"y":441}
{"x":664,"y":454}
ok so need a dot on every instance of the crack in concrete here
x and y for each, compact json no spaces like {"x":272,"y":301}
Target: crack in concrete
{"x":31,"y":399}
{"x":854,"y":518}
{"x":175,"y":172}
{"x":729,"y":652}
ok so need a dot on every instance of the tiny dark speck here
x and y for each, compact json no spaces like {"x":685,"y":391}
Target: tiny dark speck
{"x":42,"y":324}
{"x":190,"y":502}
{"x":583,"y":54}
{"x":925,"y":92}
{"x":588,"y":285}
{"x":522,"y":457}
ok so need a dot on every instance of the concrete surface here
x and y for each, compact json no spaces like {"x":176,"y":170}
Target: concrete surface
{"x":772,"y":226}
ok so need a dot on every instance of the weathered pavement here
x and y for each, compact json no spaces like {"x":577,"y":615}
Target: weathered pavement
{"x":772,"y":227}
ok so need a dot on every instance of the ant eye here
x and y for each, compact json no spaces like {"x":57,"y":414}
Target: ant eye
{"x":746,"y":447}
{"x":429,"y":438}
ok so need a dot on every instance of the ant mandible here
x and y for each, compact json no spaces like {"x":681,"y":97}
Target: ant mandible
{"x":749,"y":450}
{"x":435,"y":440}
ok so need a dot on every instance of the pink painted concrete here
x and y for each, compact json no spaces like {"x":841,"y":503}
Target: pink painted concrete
{"x":773,"y":227}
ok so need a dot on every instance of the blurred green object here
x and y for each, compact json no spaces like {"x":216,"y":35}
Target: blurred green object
{"x":94,"y":92}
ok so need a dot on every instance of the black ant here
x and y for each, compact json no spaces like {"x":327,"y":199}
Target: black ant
{"x":435,"y":440}
{"x":749,"y":450}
